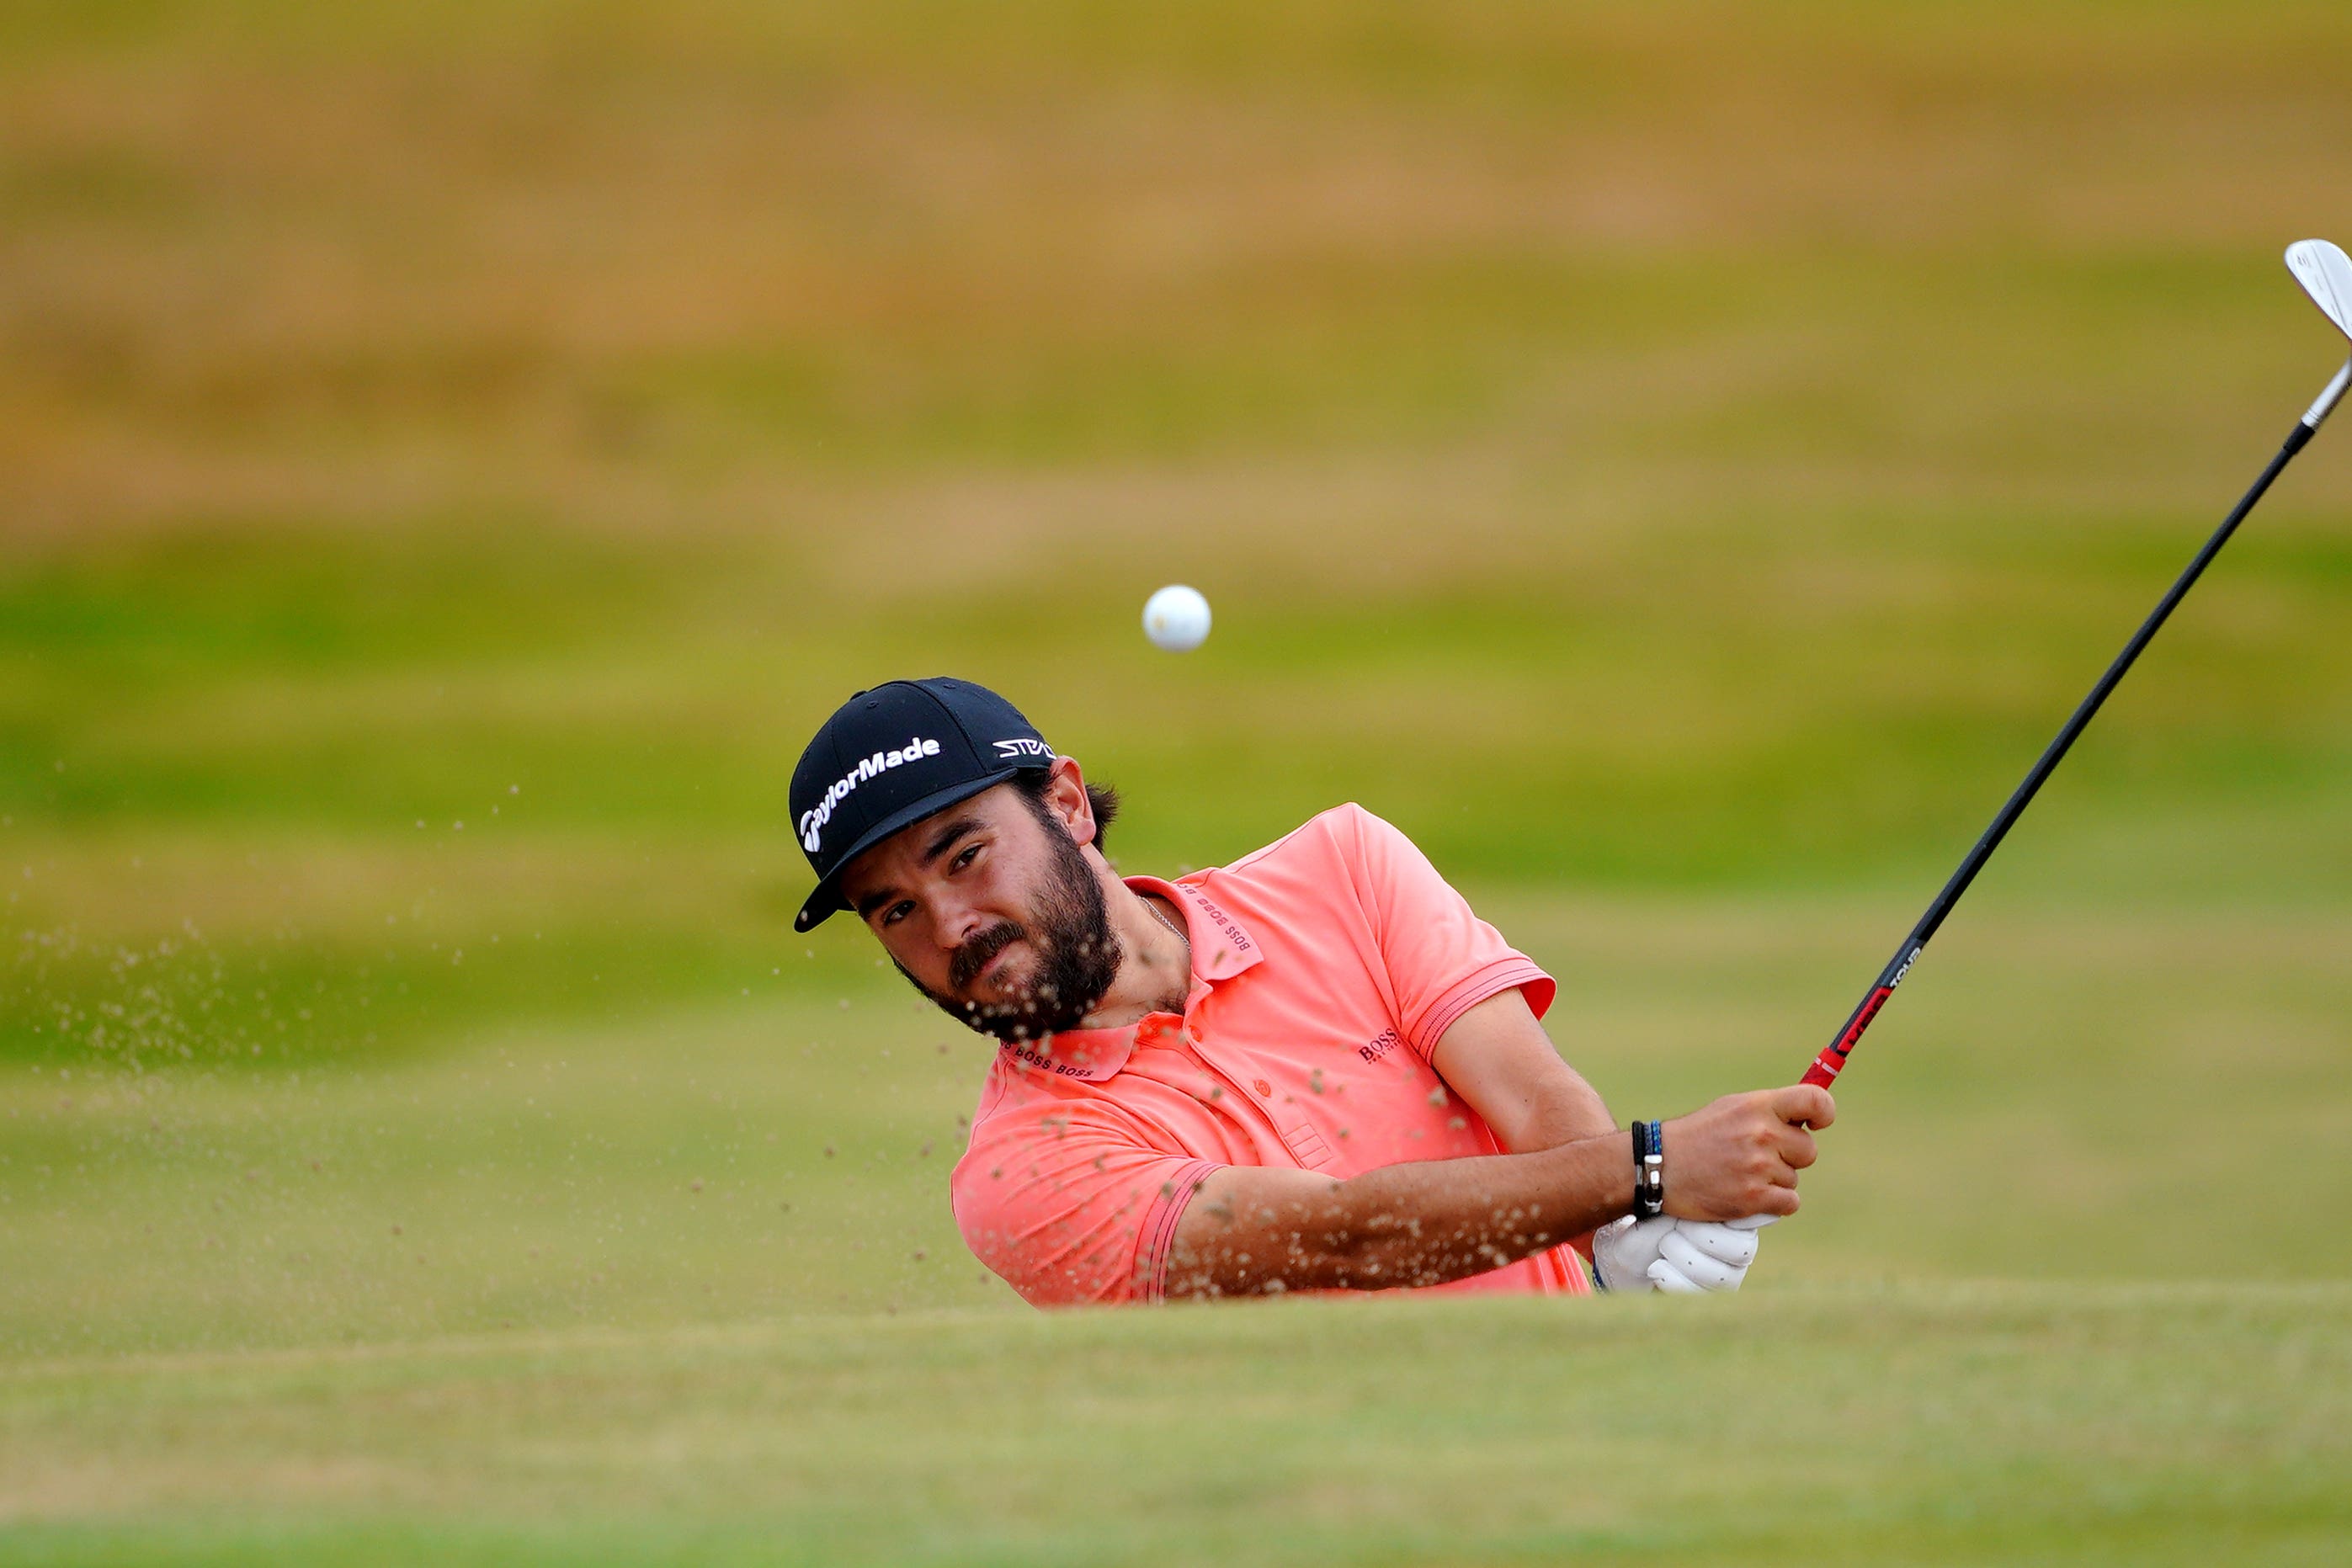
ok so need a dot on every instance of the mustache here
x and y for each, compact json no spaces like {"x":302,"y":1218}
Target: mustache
{"x":973,"y":956}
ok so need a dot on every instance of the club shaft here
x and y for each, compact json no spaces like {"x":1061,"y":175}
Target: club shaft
{"x":1832,"y":1061}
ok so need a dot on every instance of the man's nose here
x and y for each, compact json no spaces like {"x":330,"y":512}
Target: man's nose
{"x":957,"y":923}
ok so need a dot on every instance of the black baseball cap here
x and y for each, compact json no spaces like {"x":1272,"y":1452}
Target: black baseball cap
{"x":891,"y":757}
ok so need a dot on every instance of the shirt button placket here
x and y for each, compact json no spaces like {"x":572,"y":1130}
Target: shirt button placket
{"x":1216,"y":1069}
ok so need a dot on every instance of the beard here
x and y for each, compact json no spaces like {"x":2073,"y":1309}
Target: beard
{"x":1078,"y":956}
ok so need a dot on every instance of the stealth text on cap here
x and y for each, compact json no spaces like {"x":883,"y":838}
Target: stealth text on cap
{"x":814,"y":820}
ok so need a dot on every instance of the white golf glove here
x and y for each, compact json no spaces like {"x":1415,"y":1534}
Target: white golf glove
{"x":1680,"y":1257}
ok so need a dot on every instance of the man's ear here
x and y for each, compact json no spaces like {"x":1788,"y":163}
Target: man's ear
{"x":1065,"y":796}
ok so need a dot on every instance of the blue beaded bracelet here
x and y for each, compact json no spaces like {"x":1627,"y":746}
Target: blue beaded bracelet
{"x":1649,"y":1169}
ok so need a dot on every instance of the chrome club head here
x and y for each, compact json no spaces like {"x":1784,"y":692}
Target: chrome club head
{"x":2325,"y":274}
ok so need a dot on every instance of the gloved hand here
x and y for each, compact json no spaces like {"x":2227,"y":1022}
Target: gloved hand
{"x":1680,"y":1257}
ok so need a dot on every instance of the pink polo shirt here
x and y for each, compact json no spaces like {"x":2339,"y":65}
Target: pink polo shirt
{"x":1324,"y":968}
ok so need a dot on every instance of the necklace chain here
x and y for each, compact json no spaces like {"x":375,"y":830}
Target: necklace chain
{"x":1163,"y":920}
{"x":1174,"y":1004}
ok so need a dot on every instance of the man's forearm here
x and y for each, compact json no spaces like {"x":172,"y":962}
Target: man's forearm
{"x":1254,"y":1228}
{"x":1415,"y":1224}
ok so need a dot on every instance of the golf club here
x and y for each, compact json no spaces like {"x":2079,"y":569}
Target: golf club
{"x":2326,"y":274}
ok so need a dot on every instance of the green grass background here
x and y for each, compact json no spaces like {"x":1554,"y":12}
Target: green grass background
{"x":1678,"y":462}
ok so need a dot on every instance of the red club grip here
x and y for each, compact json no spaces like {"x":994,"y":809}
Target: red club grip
{"x":1831,"y":1063}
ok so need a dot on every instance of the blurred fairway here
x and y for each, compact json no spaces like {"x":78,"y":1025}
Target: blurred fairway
{"x":1679,"y":462}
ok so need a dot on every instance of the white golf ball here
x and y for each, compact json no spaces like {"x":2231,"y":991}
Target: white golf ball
{"x":1177,"y":619}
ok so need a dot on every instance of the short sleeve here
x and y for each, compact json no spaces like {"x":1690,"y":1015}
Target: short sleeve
{"x":1067,"y":1203}
{"x":1441,"y":960}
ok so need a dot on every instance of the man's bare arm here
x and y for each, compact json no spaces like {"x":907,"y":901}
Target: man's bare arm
{"x":1498,"y":1060}
{"x":1254,"y":1228}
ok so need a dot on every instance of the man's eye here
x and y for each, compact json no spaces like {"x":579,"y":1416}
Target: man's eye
{"x":965,"y":858}
{"x":897,"y":911}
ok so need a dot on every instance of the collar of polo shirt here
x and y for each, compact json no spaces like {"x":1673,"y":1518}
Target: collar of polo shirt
{"x":1222,"y":949}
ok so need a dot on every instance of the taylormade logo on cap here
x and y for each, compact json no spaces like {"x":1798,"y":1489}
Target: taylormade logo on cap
{"x":814,"y":820}
{"x":966,"y":738}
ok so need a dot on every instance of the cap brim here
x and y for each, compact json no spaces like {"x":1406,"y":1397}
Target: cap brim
{"x":825,"y":901}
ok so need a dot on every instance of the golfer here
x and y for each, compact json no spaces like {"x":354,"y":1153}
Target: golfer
{"x":1313,"y":1068}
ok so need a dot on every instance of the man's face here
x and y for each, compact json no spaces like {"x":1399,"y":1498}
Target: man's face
{"x":993,"y":910}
